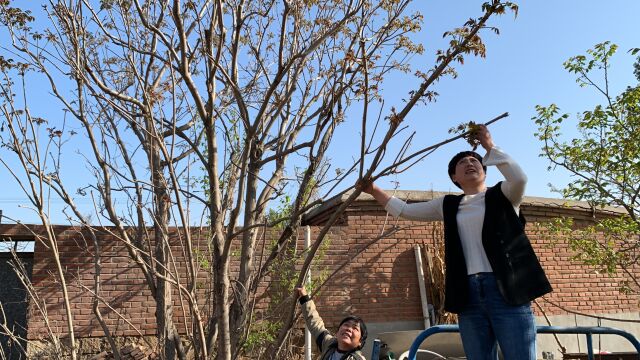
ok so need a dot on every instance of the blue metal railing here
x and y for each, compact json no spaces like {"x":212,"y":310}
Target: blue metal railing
{"x":586,"y":330}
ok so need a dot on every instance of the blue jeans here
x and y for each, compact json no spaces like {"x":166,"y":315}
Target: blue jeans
{"x":488,"y":320}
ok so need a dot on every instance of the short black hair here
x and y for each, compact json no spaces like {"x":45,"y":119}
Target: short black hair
{"x":459,"y":156}
{"x":361,"y":324}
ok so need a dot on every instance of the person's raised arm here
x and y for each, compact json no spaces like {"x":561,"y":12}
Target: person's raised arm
{"x":312,"y":319}
{"x":427,"y":210}
{"x":374,"y":190}
{"x":515,"y":179}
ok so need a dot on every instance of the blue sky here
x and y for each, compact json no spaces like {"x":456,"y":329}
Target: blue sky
{"x":523,"y":68}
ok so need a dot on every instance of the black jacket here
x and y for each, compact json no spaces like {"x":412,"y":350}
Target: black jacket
{"x":517,"y":270}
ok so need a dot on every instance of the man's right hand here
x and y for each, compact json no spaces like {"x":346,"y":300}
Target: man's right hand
{"x":300,"y":291}
{"x":366,"y":185}
{"x":369,"y":187}
{"x":484,"y":137}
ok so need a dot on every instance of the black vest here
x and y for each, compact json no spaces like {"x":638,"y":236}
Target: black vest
{"x":517,"y":270}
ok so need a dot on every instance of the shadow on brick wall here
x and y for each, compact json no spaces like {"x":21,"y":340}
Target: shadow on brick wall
{"x":14,"y":300}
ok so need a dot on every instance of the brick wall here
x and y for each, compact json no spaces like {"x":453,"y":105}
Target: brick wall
{"x":380,"y":283}
{"x":126,"y":303}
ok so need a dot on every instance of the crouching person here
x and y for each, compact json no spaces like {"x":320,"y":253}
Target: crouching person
{"x":347,"y":342}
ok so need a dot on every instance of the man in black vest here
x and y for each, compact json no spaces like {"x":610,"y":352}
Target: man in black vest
{"x":492,"y":273}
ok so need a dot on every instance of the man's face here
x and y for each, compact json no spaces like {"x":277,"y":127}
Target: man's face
{"x":468,"y":171}
{"x":349,"y":335}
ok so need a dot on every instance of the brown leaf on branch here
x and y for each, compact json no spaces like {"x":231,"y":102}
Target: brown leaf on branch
{"x":468,"y":131}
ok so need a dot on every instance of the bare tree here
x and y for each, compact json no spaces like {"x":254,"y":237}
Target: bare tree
{"x":229,"y":92}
